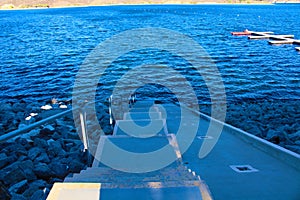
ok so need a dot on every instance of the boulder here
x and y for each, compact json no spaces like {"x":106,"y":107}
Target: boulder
{"x":108,"y":130}
{"x":22,"y":141}
{"x":38,"y":195}
{"x":14,"y":176}
{"x":33,"y":133}
{"x":22,"y":126}
{"x":271,"y":133}
{"x":43,"y":158}
{"x":33,"y":187}
{"x":56,"y":136}
{"x":40,"y":184}
{"x":40,"y":143}
{"x":19,"y":187}
{"x":294,"y":136}
{"x":75,"y":166}
{"x":18,"y":107}
{"x":55,"y":148}
{"x":59,"y":170}
{"x":4,"y":107}
{"x":33,"y":108}
{"x":47,"y":130}
{"x":27,"y":167}
{"x":2,"y":130}
{"x":60,"y":122}
{"x":42,"y":171}
{"x":4,"y":194}
{"x":18,"y":197}
{"x":35,"y":152}
{"x":4,"y":160}
{"x":294,"y":148}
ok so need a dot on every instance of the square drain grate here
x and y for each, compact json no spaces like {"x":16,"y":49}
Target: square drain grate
{"x":243,"y":168}
{"x":204,"y":137}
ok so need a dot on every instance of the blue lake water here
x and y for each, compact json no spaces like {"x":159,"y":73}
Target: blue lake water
{"x":42,"y":50}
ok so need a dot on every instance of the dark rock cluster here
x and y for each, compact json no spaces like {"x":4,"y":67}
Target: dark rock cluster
{"x":31,"y":163}
{"x":29,"y":166}
{"x":276,"y":121}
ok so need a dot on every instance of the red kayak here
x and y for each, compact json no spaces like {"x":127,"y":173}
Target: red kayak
{"x":241,"y":33}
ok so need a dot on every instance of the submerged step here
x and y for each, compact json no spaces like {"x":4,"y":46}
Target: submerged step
{"x":143,"y":104}
{"x":142,"y":115}
{"x":140,"y":128}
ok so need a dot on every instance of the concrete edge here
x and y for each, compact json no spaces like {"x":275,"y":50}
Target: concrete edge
{"x":284,"y":155}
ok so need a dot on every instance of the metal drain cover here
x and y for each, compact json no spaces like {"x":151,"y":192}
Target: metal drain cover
{"x":243,"y":168}
{"x":203,"y":137}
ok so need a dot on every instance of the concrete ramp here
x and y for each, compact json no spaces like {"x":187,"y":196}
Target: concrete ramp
{"x":143,"y":131}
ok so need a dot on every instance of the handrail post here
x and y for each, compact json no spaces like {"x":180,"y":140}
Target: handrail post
{"x":111,"y":121}
{"x":84,"y":133}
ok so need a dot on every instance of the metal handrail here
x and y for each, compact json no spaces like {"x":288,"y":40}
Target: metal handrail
{"x":17,"y":132}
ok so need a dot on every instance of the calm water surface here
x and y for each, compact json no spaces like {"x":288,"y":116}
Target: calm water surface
{"x":42,"y":50}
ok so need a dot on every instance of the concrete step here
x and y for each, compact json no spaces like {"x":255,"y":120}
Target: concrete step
{"x":168,"y":173}
{"x":135,"y":148}
{"x":143,"y":104}
{"x":108,"y":175}
{"x":142,"y":115}
{"x":140,"y":128}
{"x":193,"y":190}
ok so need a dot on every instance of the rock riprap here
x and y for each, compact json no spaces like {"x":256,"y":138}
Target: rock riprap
{"x":32,"y":162}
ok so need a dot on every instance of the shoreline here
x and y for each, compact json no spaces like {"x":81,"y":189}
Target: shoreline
{"x":2,"y":8}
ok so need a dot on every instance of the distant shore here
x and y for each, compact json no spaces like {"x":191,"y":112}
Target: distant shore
{"x":57,"y":5}
{"x":21,"y":4}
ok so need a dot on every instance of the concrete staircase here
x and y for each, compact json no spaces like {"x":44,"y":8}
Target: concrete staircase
{"x":175,"y":181}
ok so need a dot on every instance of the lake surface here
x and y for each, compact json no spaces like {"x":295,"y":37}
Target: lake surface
{"x":42,"y":50}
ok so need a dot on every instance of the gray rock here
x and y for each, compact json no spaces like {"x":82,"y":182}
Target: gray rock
{"x":43,"y":158}
{"x":59,"y":170}
{"x":18,"y":197}
{"x":14,"y":176}
{"x":19,"y":188}
{"x":50,"y":128}
{"x":47,"y":130}
{"x":18,"y":107}
{"x":108,"y":130}
{"x":4,"y":107}
{"x":33,"y":187}
{"x":60,"y":122}
{"x":40,"y":184}
{"x":56,"y":136}
{"x":294,"y":148}
{"x":294,"y":136}
{"x":75,"y":166}
{"x":22,"y":125}
{"x":35,"y":152}
{"x":2,"y":130}
{"x":7,"y":117}
{"x":3,"y":160}
{"x":55,"y":148}
{"x":38,"y":195}
{"x":21,"y":141}
{"x":42,"y":171}
{"x":34,"y":132}
{"x":4,"y":194}
{"x":27,"y":167}
{"x":33,"y":108}
{"x":40,"y":143}
{"x":271,"y":133}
